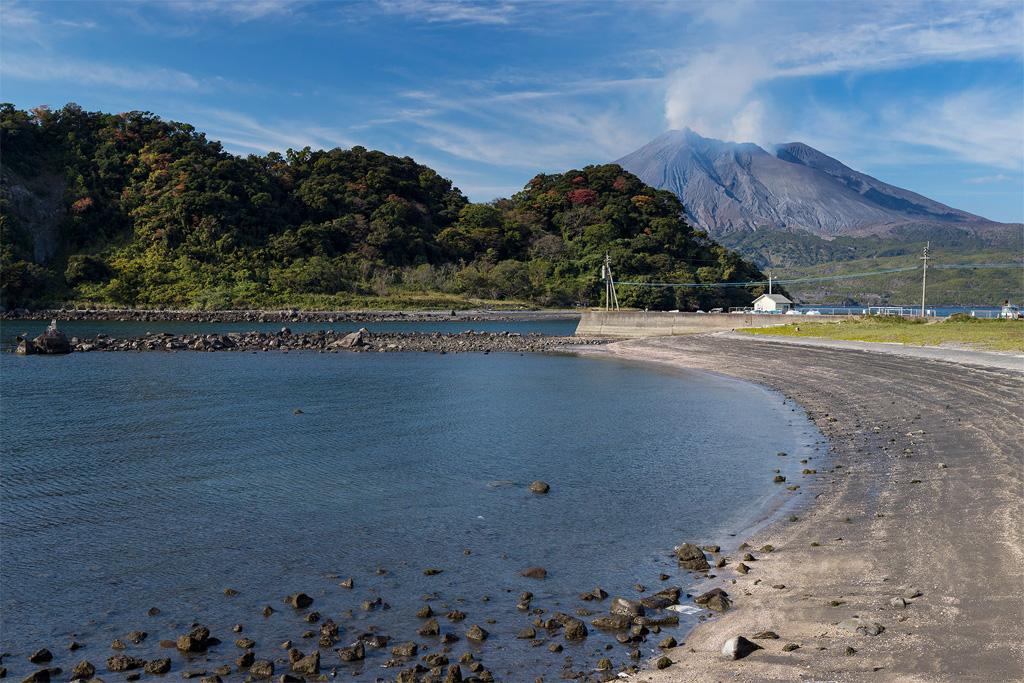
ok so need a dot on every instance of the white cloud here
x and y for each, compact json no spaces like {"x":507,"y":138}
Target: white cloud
{"x":82,"y":72}
{"x":712,"y":94}
{"x":237,"y":10}
{"x":984,"y":126}
{"x":452,"y":11}
{"x":244,"y":134}
{"x":989,"y":179}
{"x":721,"y":92}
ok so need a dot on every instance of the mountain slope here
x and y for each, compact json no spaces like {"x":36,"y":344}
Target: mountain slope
{"x":730,"y":187}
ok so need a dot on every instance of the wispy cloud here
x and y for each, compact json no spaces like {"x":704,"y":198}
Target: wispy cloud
{"x":989,"y":179}
{"x":452,"y":11}
{"x":83,"y":72}
{"x":721,"y":92}
{"x":244,"y":134}
{"x":237,"y":10}
{"x":984,"y":126}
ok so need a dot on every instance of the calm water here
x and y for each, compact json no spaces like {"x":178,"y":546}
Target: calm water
{"x":138,"y":480}
{"x":9,"y":329}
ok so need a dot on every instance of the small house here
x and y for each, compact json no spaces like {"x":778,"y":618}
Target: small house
{"x":772,"y":303}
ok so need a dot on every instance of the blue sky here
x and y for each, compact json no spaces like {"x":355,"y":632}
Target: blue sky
{"x":925,"y":95}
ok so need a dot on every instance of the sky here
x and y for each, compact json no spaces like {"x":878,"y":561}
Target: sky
{"x":925,"y":95}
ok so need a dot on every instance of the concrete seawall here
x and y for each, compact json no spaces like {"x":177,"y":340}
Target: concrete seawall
{"x":664,"y":323}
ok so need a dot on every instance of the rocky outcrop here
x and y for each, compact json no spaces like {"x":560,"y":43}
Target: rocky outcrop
{"x":51,"y":342}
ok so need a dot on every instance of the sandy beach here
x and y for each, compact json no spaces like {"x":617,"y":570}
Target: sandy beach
{"x":917,"y":526}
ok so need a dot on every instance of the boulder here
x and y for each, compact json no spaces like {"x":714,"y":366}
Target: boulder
{"x":575,"y":629}
{"x":261,"y":668}
{"x":534,"y":572}
{"x":662,"y":662}
{"x":52,"y":341}
{"x":124,"y":663}
{"x":861,"y":626}
{"x":84,"y":670}
{"x":299,"y":600}
{"x":476,"y":633}
{"x":739,"y":647}
{"x":196,"y":640}
{"x":405,"y":650}
{"x":430,"y":628}
{"x":158,"y":666}
{"x":630,"y":608}
{"x":662,"y":599}
{"x":308,"y":665}
{"x":691,"y":557}
{"x":612,"y":622}
{"x":41,"y":656}
{"x":353,"y":340}
{"x":454,"y":674}
{"x":540,"y":487}
{"x":353,"y":653}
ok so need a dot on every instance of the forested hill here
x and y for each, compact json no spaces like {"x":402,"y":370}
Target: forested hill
{"x":128,"y":209}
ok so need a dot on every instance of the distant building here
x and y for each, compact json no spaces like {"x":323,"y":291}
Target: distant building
{"x":772,"y":303}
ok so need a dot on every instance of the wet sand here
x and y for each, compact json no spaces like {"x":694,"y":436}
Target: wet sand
{"x":925,"y":494}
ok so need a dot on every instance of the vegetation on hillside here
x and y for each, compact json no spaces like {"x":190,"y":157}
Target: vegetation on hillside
{"x":960,"y":286}
{"x":794,"y":255}
{"x":128,"y":209}
{"x":956,"y":331}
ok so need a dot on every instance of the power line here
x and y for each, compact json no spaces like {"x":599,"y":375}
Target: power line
{"x":848,"y":276}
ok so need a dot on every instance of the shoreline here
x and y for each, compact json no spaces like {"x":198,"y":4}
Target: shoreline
{"x":902,"y":510}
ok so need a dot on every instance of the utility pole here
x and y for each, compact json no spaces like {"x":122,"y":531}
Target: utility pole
{"x":924,"y":273}
{"x":610,"y":297}
{"x":770,"y":281}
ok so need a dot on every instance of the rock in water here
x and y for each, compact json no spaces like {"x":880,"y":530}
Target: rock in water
{"x":355,"y":653}
{"x":540,"y":487}
{"x":534,"y":572}
{"x":52,"y":342}
{"x":575,"y":630}
{"x":261,"y":668}
{"x":124,"y":663}
{"x":158,"y":666}
{"x":629,"y":608}
{"x":308,"y":665}
{"x":476,"y":633}
{"x":84,"y":670}
{"x":691,"y":557}
{"x":739,"y":647}
{"x":299,"y":600}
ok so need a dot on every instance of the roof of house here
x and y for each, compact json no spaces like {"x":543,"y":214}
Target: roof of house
{"x":777,"y":298}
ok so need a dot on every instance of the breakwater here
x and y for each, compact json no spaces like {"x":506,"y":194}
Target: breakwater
{"x":286,"y":315}
{"x":329,"y":341}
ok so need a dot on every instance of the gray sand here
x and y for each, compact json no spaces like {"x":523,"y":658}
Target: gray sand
{"x":888,"y":518}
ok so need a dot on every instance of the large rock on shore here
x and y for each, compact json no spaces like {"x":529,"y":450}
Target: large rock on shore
{"x":691,"y":557}
{"x":739,"y":647}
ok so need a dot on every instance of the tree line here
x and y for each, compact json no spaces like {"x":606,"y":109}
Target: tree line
{"x":131,"y":210}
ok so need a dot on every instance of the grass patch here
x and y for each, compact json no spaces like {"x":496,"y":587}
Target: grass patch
{"x":975,"y":333}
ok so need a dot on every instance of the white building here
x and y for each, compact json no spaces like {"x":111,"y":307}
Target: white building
{"x":772,"y":303}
